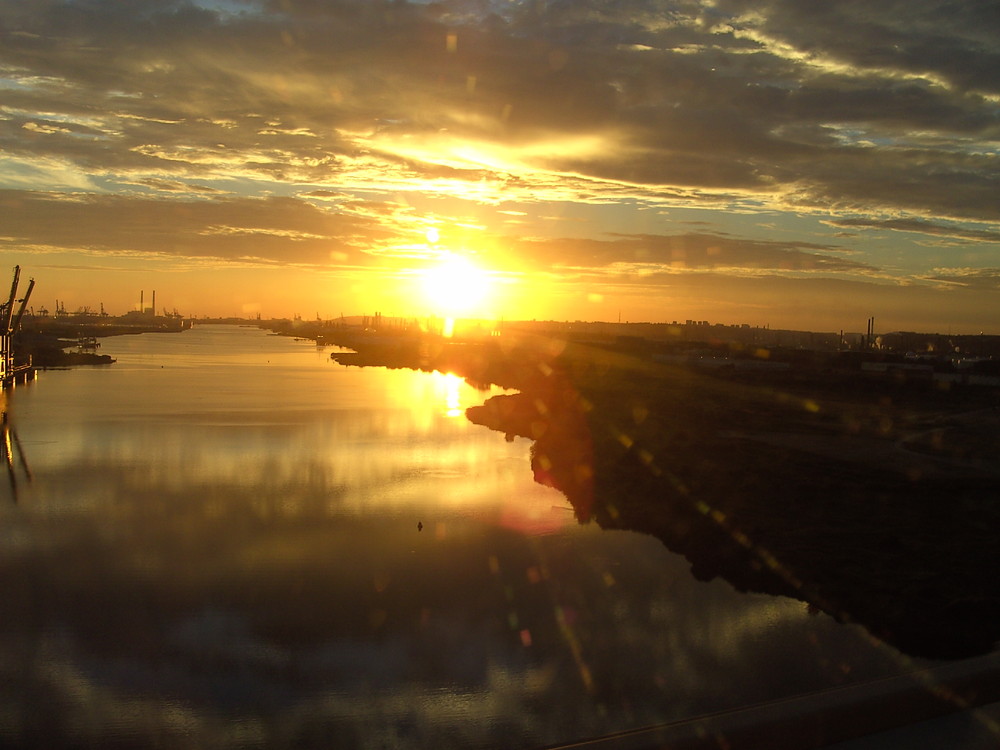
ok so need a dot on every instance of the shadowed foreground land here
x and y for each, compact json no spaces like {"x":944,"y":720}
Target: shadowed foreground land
{"x":872,"y":500}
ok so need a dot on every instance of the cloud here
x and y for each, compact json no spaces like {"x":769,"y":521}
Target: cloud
{"x":921,"y":226}
{"x":371,"y":112}
{"x":272,"y":230}
{"x":667,"y":96}
{"x":955,"y":44}
{"x":169,"y":186}
{"x":983,"y":279}
{"x":652,"y":253}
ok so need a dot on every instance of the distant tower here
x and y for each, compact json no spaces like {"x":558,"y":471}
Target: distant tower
{"x":154,"y":303}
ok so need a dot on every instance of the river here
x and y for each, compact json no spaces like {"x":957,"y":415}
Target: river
{"x":228,"y":540}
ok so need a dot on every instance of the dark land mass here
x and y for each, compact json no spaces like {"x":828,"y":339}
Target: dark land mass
{"x":53,"y":354}
{"x":870,"y":497}
{"x":52,"y":342}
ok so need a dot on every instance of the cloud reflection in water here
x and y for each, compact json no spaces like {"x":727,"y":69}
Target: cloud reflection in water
{"x":186,"y":570}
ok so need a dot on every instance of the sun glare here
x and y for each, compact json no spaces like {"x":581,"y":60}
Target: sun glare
{"x":456,"y":287}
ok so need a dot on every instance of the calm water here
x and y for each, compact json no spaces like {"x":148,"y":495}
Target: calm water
{"x":219,"y":545}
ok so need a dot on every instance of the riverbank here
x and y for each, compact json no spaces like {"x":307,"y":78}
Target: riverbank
{"x":869,"y":499}
{"x":47,"y":342}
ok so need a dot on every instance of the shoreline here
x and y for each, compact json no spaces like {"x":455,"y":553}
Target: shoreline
{"x":799,"y":487}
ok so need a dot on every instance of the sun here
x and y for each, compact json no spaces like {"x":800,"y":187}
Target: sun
{"x":456,"y":287}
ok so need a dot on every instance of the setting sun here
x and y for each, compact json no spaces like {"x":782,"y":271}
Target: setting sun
{"x":455,"y":286}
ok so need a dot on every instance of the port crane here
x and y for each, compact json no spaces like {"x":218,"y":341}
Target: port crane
{"x":10,"y":321}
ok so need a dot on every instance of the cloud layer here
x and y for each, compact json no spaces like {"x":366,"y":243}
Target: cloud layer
{"x":326,"y":132}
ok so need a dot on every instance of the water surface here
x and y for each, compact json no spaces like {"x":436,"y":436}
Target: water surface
{"x":229,"y":540}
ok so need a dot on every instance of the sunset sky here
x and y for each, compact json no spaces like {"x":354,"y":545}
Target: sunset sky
{"x":790,"y":163}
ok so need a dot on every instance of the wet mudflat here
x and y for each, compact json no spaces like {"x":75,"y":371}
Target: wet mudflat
{"x":230,"y":540}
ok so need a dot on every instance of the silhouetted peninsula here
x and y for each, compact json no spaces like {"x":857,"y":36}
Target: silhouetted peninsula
{"x":870,"y":499}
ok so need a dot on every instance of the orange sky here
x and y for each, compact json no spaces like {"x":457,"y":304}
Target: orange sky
{"x":783,"y":163}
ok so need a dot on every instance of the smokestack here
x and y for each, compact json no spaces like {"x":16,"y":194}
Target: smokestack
{"x":154,"y":303}
{"x":142,"y":301}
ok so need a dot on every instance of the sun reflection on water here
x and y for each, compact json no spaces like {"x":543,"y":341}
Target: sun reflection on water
{"x":447,"y":393}
{"x":452,"y":394}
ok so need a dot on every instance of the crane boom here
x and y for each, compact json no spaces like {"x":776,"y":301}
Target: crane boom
{"x":8,"y":312}
{"x":20,"y":311}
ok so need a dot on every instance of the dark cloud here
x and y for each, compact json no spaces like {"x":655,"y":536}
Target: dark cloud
{"x":687,"y":98}
{"x":983,"y":279}
{"x":272,"y":230}
{"x":921,"y":226}
{"x":689,"y":251}
{"x":956,"y":41}
{"x":863,"y":180}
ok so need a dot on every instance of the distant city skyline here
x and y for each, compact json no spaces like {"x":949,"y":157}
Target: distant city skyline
{"x":784,"y":163}
{"x":851,"y":335}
